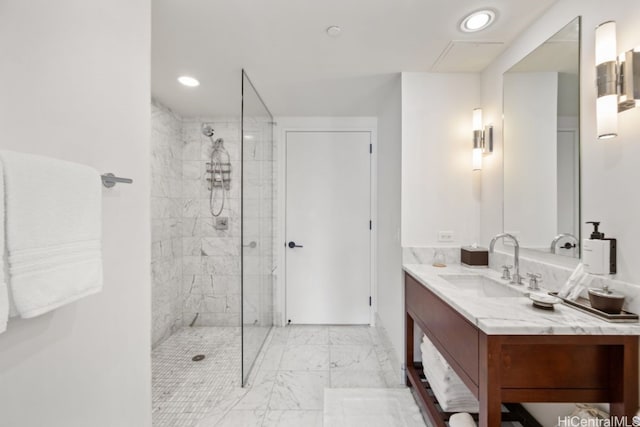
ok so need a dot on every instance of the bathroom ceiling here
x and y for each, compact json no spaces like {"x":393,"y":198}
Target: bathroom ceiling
{"x":298,"y":69}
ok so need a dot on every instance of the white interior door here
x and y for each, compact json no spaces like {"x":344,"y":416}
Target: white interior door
{"x":327,"y":215}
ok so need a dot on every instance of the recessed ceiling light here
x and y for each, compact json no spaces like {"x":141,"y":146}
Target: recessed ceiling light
{"x":188,"y":81}
{"x":334,"y":31}
{"x":478,"y":20}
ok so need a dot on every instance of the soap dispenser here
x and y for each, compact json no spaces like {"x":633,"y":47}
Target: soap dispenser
{"x":598,"y":252}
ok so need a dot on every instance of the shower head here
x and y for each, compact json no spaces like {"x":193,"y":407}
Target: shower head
{"x":207,"y":130}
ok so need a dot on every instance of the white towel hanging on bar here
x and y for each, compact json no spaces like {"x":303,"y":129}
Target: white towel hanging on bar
{"x":53,"y":211}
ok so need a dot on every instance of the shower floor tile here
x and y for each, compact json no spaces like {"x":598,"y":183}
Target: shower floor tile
{"x":184,"y":391}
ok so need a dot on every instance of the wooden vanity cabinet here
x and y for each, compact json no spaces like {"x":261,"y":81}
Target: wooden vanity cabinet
{"x":521,"y":368}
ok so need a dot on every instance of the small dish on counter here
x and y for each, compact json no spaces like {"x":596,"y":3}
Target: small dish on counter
{"x":545,"y":302}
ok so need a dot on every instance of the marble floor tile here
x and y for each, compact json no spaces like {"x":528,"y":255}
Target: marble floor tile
{"x":371,"y":408}
{"x":354,"y":357}
{"x":383,"y":357}
{"x":299,"y":390}
{"x":305,"y":358}
{"x":302,"y":334}
{"x":293,"y":419}
{"x":376,"y":337}
{"x":393,"y":379}
{"x":258,"y":392}
{"x":220,"y":405}
{"x":279,"y":335}
{"x":386,"y":352}
{"x":272,"y":357}
{"x":237,"y":418}
{"x":357,"y":379}
{"x":350,"y":335}
{"x":286,"y":387}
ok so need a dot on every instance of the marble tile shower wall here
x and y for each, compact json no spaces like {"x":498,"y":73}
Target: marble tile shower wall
{"x":196,"y":267}
{"x":166,"y":218}
{"x":211,"y":257}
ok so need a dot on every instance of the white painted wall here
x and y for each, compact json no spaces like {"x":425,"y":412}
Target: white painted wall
{"x":530,"y":111}
{"x":608,"y":168}
{"x":389,"y":267}
{"x":440,"y":192}
{"x":75,"y":85}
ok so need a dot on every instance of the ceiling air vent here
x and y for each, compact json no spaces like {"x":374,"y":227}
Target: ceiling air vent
{"x":465,"y":56}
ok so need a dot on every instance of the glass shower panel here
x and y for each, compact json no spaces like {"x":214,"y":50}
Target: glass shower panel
{"x":257,"y":224}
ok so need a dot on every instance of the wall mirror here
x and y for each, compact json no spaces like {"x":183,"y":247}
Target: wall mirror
{"x":542,"y":146}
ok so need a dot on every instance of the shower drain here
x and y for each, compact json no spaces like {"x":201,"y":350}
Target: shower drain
{"x":198,"y":357}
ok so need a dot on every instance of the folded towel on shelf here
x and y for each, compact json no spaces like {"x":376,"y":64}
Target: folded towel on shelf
{"x":433,"y":350}
{"x":53,"y":216}
{"x":4,"y":291}
{"x":461,"y":419}
{"x":441,"y":371}
{"x":452,"y":394}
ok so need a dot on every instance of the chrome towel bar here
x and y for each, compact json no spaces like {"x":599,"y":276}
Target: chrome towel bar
{"x":109,"y":180}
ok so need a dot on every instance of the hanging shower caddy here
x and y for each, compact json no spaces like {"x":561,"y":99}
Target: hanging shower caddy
{"x":219,"y":175}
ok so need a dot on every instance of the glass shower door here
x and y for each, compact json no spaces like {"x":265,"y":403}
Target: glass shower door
{"x":257,"y":224}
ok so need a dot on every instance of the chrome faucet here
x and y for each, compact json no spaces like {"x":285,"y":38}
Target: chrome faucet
{"x":515,"y":278}
{"x":567,"y":245}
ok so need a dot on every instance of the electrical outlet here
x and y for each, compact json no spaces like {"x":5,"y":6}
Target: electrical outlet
{"x":446,"y":236}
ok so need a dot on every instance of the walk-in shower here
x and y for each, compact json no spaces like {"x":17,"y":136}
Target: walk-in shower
{"x":212,"y":254}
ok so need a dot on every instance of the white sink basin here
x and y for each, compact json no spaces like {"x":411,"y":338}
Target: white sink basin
{"x":482,"y":286}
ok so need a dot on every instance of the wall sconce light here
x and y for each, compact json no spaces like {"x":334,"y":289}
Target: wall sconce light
{"x":629,"y":79}
{"x":482,"y":139}
{"x":618,"y":80}
{"x":607,"y":81}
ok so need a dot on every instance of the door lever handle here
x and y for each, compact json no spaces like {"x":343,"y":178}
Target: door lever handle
{"x":292,"y":245}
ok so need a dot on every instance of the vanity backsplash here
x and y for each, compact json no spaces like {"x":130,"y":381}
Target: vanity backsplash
{"x":426,"y":255}
{"x":553,"y":276}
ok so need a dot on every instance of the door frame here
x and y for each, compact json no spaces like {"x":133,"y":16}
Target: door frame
{"x":285,"y":125}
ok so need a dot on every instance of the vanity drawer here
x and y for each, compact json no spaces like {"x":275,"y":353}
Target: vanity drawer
{"x":453,"y":335}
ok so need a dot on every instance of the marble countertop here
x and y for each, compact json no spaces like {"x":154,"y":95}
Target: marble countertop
{"x":511,"y":315}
